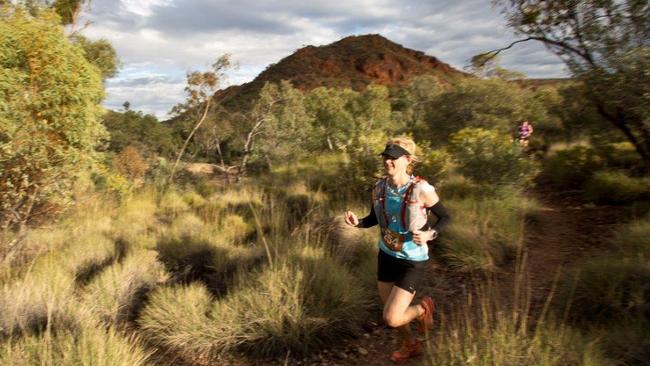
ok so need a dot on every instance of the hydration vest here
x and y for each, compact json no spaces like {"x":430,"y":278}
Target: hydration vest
{"x":413,"y":213}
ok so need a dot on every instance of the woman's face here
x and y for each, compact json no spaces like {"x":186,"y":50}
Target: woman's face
{"x":396,"y":166}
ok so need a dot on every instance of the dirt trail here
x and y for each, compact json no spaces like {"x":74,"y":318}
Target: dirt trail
{"x":563,"y":234}
{"x":566,"y":233}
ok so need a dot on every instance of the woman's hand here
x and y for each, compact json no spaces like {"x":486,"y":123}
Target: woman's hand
{"x":351,"y":219}
{"x":422,"y":237}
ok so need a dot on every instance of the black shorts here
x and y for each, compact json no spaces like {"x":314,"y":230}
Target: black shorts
{"x":403,"y":273}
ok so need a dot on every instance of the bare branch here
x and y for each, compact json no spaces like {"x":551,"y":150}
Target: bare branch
{"x":491,"y":54}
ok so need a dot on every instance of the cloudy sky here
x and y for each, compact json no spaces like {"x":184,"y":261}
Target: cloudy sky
{"x":159,"y":41}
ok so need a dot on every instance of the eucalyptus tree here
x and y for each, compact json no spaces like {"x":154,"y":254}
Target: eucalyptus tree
{"x":606,"y":45}
{"x":49,"y":116}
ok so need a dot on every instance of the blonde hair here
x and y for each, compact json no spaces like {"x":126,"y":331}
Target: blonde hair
{"x":408,"y":145}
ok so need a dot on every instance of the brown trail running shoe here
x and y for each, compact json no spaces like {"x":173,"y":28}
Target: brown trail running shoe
{"x":407,"y":351}
{"x":425,"y":321}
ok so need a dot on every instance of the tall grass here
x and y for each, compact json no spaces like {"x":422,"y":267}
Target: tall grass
{"x":300,"y":303}
{"x":493,"y":327}
{"x":485,"y":233}
{"x":87,"y":344}
{"x":118,"y":293}
{"x":633,"y":239}
{"x":610,"y":296}
{"x":37,"y":301}
{"x":615,"y":187}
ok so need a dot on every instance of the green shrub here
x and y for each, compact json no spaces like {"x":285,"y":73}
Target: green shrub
{"x":435,"y":165}
{"x":571,"y":167}
{"x":178,"y":318}
{"x":236,"y":229}
{"x":187,"y":224}
{"x":188,"y":257}
{"x":135,"y":224}
{"x":112,"y":182}
{"x":620,"y":155}
{"x":490,"y":158}
{"x":193,"y":199}
{"x":362,"y":166}
{"x":48,"y":138}
{"x":612,"y":187}
{"x":299,"y":201}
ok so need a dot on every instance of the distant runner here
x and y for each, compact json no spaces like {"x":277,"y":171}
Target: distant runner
{"x":400,"y":205}
{"x":525,"y":130}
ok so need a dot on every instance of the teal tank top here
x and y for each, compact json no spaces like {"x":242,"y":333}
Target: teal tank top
{"x":410,"y":250}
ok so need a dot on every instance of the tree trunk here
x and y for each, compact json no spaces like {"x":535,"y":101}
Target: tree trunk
{"x":248,"y":146}
{"x":187,"y":141}
{"x":619,"y":121}
{"x":223,"y":165}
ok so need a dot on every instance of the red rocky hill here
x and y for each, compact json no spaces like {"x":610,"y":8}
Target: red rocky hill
{"x":353,"y":62}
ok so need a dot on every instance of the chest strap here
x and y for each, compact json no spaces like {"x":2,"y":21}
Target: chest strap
{"x":405,"y":201}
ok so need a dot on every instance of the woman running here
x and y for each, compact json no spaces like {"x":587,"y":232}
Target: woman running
{"x":525,"y":130}
{"x":400,"y":205}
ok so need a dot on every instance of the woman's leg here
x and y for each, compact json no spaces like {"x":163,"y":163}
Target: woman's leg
{"x":398,"y":311}
{"x":385,"y":291}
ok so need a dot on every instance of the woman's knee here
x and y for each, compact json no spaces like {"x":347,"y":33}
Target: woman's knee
{"x":393,"y":319}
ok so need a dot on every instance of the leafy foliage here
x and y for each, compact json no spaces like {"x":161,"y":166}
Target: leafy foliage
{"x":130,"y":164}
{"x":48,"y":115}
{"x":144,"y":132}
{"x":490,"y":104}
{"x":99,"y":53}
{"x":288,"y":128}
{"x":571,"y":167}
{"x":489,"y":157}
{"x":605,"y":45}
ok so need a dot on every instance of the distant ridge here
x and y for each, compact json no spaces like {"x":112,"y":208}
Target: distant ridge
{"x":353,"y":62}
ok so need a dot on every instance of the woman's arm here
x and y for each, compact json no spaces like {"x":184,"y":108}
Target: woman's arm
{"x":366,"y":222}
{"x":432,"y":202}
{"x":370,"y":220}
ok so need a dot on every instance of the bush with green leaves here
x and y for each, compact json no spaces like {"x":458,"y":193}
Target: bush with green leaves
{"x":490,"y":158}
{"x":131,"y":128}
{"x":49,"y":114}
{"x":363,"y":164}
{"x":570,"y":167}
{"x":479,"y":103}
{"x":434,"y":165}
{"x":620,"y":155}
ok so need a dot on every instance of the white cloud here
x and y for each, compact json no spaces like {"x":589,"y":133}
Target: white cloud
{"x":143,"y":8}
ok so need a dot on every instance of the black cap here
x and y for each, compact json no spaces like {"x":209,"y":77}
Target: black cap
{"x":394,"y":151}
